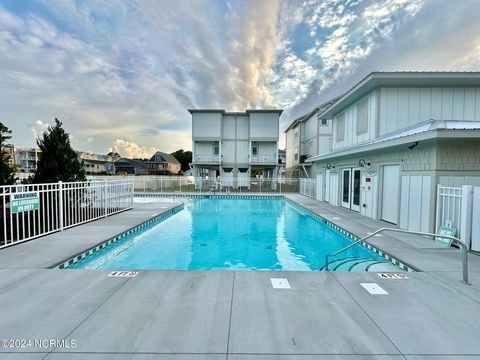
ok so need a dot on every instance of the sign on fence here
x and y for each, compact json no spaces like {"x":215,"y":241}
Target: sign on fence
{"x":24,"y":201}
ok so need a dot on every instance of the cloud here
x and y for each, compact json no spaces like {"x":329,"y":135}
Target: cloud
{"x":116,"y":70}
{"x":132,"y":150}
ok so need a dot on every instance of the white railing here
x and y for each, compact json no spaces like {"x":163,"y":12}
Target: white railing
{"x":33,"y":210}
{"x":308,"y":187}
{"x":206,"y":158}
{"x":456,"y":208}
{"x":190,"y":184}
{"x":264,"y":159}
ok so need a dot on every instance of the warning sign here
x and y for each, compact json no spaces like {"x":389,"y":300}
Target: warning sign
{"x":24,"y":201}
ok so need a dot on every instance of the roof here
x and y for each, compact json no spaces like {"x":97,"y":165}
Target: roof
{"x":93,"y":157}
{"x":246,"y":112}
{"x":399,"y":79}
{"x":131,"y":162}
{"x":422,"y":131}
{"x":306,"y":116}
{"x":168,"y":158}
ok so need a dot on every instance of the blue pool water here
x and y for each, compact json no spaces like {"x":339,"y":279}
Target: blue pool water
{"x":218,"y":233}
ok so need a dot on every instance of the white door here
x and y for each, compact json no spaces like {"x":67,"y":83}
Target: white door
{"x":346,"y":177}
{"x":390,"y":193}
{"x":351,"y":189}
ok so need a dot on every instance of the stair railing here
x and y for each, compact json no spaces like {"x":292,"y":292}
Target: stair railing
{"x":463,"y":247}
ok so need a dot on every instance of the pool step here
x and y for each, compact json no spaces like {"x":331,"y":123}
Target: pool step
{"x":360,"y":264}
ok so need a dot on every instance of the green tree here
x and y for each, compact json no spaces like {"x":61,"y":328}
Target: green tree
{"x":58,"y":161}
{"x":184,"y":157}
{"x":7,"y":169}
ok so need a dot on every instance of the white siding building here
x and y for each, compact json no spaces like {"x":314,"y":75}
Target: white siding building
{"x":395,"y":137}
{"x":235,"y":145}
{"x":307,"y":136}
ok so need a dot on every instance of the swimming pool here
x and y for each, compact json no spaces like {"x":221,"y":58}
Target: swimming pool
{"x":235,"y":233}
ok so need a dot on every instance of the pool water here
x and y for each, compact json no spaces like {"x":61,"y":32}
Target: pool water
{"x":220,"y":233}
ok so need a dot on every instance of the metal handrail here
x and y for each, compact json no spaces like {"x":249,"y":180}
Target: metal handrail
{"x":456,"y":240}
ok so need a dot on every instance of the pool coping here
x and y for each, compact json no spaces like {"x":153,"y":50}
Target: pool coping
{"x":64,"y":264}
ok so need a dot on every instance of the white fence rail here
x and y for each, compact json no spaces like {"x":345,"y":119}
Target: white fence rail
{"x":29,"y":211}
{"x":308,"y":187}
{"x":460,"y":208}
{"x":189,"y":184}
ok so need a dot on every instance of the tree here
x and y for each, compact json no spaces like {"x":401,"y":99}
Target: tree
{"x":58,"y":161}
{"x":184,"y":157}
{"x":7,"y":169}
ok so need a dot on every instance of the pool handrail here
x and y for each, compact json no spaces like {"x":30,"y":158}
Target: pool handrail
{"x":463,"y":247}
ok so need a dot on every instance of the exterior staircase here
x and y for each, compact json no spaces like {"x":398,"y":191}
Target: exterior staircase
{"x":360,"y":264}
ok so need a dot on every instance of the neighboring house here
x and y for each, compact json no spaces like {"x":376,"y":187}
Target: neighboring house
{"x":395,"y":137}
{"x":95,"y":164}
{"x":188,"y":172}
{"x":26,"y":158}
{"x":235,"y":145}
{"x":125,"y":166}
{"x":307,"y":136}
{"x":163,"y":164}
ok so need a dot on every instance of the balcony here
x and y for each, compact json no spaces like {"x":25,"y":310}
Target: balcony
{"x":264,"y":159}
{"x":206,"y":159}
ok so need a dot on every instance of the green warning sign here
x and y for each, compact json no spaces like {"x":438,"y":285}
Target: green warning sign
{"x":24,"y":201}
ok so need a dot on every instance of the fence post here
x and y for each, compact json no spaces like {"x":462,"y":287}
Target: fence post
{"x":437,"y":215}
{"x":144,"y":187}
{"x":60,"y":205}
{"x":105,"y":198}
{"x":466,"y":215}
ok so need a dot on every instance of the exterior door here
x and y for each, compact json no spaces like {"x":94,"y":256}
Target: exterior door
{"x":351,"y":188}
{"x":355,"y":191}
{"x":390,"y":193}
{"x":346,"y":177}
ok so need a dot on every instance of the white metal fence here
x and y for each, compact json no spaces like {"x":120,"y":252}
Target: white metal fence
{"x":29,"y":211}
{"x":190,"y":184}
{"x":308,"y":187}
{"x":460,"y":209}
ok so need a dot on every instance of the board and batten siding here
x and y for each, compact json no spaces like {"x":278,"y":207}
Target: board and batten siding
{"x":415,"y":203}
{"x":352,"y":135}
{"x":402,"y":107}
{"x":206,"y":125}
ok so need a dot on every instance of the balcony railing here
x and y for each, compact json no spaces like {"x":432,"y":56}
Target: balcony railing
{"x":206,"y":158}
{"x":264,"y":159}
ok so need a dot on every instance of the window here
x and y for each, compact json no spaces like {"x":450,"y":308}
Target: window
{"x":324,"y":122}
{"x":362,"y":116}
{"x":254,"y":150}
{"x":340,"y":127}
{"x":295,"y":132}
{"x":216,"y":150}
{"x":296,"y":156}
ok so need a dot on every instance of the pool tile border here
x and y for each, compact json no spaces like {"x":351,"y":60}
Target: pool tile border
{"x":372,"y":248}
{"x":156,"y":219}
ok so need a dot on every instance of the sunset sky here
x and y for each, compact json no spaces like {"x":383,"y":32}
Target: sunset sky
{"x":122,"y":73}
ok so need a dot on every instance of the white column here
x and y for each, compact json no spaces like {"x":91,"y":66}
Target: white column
{"x":476,"y":215}
{"x":466,"y":215}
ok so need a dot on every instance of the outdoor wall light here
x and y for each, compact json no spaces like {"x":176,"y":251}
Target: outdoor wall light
{"x":363,"y":162}
{"x":413,"y":145}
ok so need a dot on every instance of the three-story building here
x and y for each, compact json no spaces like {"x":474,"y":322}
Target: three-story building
{"x":235,"y":145}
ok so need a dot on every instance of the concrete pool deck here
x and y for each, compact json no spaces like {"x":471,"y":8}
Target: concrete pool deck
{"x":237,"y":314}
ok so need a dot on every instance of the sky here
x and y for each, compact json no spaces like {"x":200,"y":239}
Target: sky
{"x":120,"y":74}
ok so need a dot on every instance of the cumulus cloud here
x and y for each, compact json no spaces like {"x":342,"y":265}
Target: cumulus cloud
{"x":132,"y":150}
